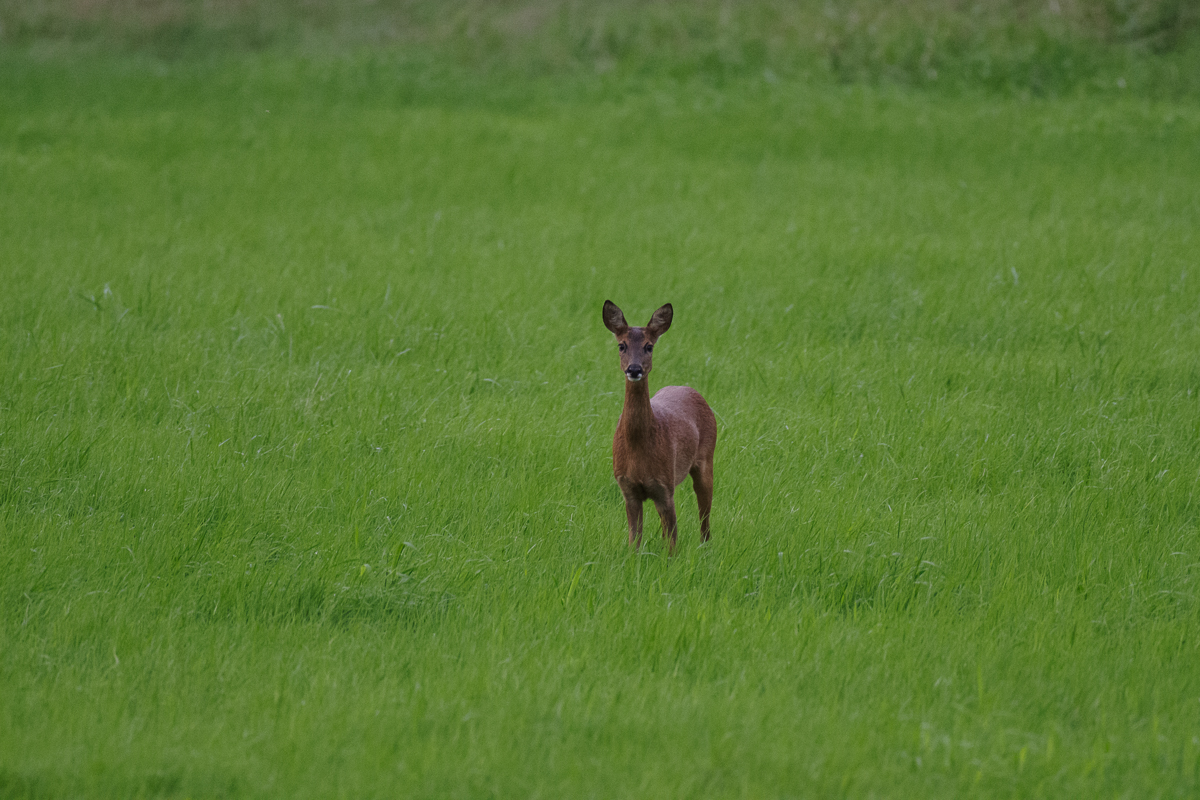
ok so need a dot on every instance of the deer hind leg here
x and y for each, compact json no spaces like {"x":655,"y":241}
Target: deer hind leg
{"x":666,"y":512}
{"x":702,"y":482}
{"x":633,"y":511}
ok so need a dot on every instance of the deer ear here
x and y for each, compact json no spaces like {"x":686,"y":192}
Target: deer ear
{"x":614,"y":320}
{"x":660,"y":321}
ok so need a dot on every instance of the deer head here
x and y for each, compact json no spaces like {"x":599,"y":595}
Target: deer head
{"x":636,"y":344}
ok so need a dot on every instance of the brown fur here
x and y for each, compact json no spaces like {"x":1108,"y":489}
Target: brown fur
{"x":659,"y":440}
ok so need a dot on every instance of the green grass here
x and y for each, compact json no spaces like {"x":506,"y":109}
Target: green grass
{"x":305,"y":430}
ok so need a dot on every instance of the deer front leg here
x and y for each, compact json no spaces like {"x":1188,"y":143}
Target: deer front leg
{"x":633,"y":511}
{"x":666,"y":513}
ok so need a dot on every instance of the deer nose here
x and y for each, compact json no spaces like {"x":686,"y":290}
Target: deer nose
{"x":634,"y":372}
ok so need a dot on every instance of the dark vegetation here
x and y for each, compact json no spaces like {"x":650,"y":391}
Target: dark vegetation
{"x":1043,"y":47}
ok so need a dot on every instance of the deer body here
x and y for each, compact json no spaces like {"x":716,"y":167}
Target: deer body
{"x":659,"y":440}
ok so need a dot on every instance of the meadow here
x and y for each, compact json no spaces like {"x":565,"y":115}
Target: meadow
{"x":306,"y":411}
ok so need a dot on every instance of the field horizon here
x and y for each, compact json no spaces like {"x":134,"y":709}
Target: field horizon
{"x":1147,"y":48}
{"x":305,"y":432}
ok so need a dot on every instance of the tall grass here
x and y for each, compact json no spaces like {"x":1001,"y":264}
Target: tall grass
{"x":306,"y":413}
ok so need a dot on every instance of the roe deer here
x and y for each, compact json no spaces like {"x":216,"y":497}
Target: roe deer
{"x":659,"y":440}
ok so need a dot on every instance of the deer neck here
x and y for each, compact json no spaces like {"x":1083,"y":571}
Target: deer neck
{"x":637,"y":418}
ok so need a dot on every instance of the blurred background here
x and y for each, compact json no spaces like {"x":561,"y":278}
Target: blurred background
{"x":1036,"y":46}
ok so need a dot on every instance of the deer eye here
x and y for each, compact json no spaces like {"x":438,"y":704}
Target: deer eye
{"x":649,"y":348}
{"x":621,"y":346}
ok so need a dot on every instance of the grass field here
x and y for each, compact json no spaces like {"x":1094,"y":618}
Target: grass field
{"x":306,"y":416}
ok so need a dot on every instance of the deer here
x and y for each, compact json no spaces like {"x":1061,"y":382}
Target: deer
{"x":659,"y":440}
